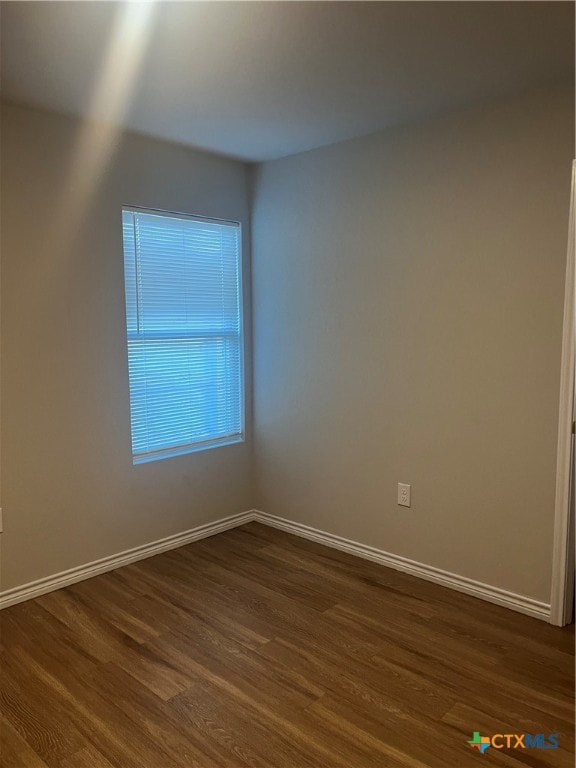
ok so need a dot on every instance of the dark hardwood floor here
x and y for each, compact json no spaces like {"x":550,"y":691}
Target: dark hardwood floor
{"x":256,"y":648}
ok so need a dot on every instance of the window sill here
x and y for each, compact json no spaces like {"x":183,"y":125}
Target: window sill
{"x":144,"y":458}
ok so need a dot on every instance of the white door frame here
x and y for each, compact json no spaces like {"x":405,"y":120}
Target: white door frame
{"x":562,"y":593}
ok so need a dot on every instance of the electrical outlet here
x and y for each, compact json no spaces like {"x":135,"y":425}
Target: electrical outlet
{"x":403,"y":495}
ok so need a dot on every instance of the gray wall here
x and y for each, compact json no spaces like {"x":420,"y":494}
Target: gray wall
{"x":408,"y":293}
{"x":69,"y":490}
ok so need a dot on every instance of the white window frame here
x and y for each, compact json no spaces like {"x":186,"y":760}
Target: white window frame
{"x":215,"y":442}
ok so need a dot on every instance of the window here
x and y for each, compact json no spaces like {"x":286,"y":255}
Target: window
{"x":184,"y":327}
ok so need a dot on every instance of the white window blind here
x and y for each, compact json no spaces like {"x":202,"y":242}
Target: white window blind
{"x":183,"y":314}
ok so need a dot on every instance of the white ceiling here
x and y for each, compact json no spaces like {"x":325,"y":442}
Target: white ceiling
{"x":260,"y":80}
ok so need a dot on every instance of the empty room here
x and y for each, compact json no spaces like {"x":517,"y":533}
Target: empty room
{"x":287,"y":384}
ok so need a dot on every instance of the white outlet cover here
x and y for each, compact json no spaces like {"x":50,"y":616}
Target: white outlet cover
{"x":404,"y":494}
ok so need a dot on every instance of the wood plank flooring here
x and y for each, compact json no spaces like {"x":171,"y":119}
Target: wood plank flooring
{"x":256,"y":648}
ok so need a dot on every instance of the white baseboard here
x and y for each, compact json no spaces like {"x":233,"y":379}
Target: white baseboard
{"x":63,"y":579}
{"x":478,"y":589}
{"x":516,"y":602}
